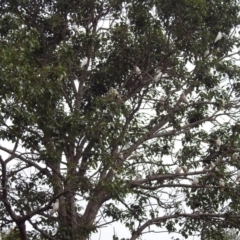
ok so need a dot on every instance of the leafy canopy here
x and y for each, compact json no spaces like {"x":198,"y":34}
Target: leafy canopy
{"x":104,"y":138}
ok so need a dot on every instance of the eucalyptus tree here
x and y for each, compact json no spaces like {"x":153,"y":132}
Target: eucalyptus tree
{"x":124,"y":111}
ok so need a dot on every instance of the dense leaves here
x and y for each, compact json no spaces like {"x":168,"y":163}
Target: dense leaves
{"x":105,"y":136}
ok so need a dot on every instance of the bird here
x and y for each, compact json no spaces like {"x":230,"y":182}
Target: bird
{"x":235,"y":156}
{"x":213,"y":166}
{"x":218,"y":143}
{"x":218,"y":37}
{"x":55,"y":207}
{"x":185,"y":170}
{"x":114,"y":172}
{"x":195,"y":181}
{"x":222,"y":103}
{"x":61,"y":77}
{"x":178,"y":170}
{"x":238,"y":175}
{"x":206,"y":167}
{"x":183,"y":98}
{"x":84,"y":62}
{"x":138,"y":178}
{"x":113,"y":92}
{"x":157,"y":77}
{"x":138,"y":71}
{"x":206,"y":53}
{"x":221,"y":184}
{"x":75,"y":28}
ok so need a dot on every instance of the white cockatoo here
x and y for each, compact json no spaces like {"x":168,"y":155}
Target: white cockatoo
{"x":218,"y":37}
{"x":75,"y":28}
{"x":195,"y":181}
{"x":178,"y":170}
{"x":221,"y":184}
{"x":138,"y":178}
{"x":61,"y":77}
{"x":183,"y":98}
{"x":218,"y":143}
{"x":55,"y":207}
{"x":113,"y":92}
{"x":185,"y":169}
{"x":84,"y":62}
{"x":207,"y":167}
{"x":206,"y":53}
{"x":138,"y":71}
{"x":221,"y":104}
{"x":238,"y":175}
{"x":213,"y":166}
{"x":157,"y":77}
{"x":235,"y":156}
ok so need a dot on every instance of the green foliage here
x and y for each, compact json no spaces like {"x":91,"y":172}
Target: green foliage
{"x":105,"y":139}
{"x":13,"y":234}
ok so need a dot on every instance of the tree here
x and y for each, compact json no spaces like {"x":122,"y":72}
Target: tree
{"x":102,"y":100}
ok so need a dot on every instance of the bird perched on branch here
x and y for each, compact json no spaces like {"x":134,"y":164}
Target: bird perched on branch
{"x":138,"y":71}
{"x":55,"y":207}
{"x":207,"y":167}
{"x":178,"y":170}
{"x":195,"y":181}
{"x":218,"y":37}
{"x":113,"y":92}
{"x":84,"y":62}
{"x":61,"y":77}
{"x":206,"y":53}
{"x":183,"y":98}
{"x":157,"y":77}
{"x":213,"y":166}
{"x":235,"y":156}
{"x":218,"y":143}
{"x":138,"y":178}
{"x":75,"y":28}
{"x":185,"y":169}
{"x":221,"y":184}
